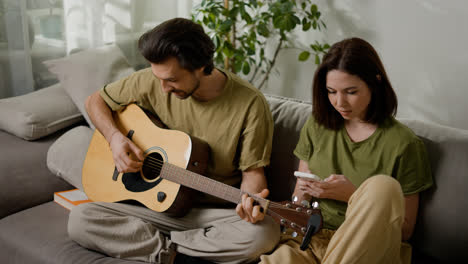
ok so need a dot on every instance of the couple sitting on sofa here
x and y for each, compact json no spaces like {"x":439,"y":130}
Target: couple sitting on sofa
{"x":351,"y":136}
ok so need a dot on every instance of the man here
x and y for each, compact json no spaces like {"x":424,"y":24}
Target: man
{"x":188,"y":94}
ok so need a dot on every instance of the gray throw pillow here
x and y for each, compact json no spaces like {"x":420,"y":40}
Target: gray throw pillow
{"x":66,"y":155}
{"x":39,"y":113}
{"x":85,"y":72}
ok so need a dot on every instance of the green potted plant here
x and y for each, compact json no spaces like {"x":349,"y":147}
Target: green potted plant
{"x":242,"y":29}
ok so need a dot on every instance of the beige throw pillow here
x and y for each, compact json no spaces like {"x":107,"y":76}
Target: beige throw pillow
{"x":66,"y":155}
{"x":39,"y":113}
{"x":85,"y":72}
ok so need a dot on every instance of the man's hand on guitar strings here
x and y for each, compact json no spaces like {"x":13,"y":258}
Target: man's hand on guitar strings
{"x":128,"y":157}
{"x":246,"y":209}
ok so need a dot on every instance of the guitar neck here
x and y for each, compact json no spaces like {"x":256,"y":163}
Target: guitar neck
{"x":206,"y":185}
{"x":286,"y":214}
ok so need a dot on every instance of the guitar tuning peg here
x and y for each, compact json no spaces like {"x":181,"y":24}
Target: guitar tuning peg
{"x":295,"y":199}
{"x":305,"y":203}
{"x":315,"y":205}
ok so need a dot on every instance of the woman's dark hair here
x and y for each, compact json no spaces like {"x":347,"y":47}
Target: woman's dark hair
{"x":180,"y":38}
{"x":357,"y":57}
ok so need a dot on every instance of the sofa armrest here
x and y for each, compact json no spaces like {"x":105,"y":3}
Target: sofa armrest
{"x":25,"y":180}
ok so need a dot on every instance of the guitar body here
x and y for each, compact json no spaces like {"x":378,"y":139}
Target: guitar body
{"x":102,"y":182}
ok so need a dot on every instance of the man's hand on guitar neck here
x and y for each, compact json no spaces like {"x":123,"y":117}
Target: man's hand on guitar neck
{"x":248,"y":211}
{"x":128,"y":157}
{"x":253,"y":182}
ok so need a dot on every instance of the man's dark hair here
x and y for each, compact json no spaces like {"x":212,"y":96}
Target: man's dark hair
{"x":182,"y":39}
{"x":357,"y":57}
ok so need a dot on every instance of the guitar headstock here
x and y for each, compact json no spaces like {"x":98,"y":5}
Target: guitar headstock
{"x":292,"y":216}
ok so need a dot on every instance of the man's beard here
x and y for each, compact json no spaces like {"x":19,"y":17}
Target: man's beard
{"x":187,"y":95}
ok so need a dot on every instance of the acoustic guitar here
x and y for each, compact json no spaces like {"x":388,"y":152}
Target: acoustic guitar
{"x":171,"y":171}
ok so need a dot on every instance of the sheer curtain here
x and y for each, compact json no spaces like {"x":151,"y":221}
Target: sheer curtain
{"x":32,"y":31}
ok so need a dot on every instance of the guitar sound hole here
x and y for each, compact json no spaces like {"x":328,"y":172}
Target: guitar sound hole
{"x":152,"y":165}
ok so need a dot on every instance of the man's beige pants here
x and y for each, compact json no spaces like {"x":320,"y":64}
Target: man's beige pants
{"x":370,"y":234}
{"x":136,"y":233}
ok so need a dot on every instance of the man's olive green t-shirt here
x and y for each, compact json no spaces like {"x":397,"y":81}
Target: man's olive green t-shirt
{"x":237,"y":125}
{"x":393,"y":150}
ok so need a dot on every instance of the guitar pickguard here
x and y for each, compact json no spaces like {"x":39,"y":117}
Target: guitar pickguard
{"x":135,"y":183}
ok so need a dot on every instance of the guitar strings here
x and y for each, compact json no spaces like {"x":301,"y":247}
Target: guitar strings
{"x":154,"y":163}
{"x":154,"y":160}
{"x":157,"y":164}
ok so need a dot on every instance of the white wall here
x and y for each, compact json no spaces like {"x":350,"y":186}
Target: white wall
{"x":423,"y":45}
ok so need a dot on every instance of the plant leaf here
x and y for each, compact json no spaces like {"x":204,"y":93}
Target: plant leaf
{"x":237,"y":66}
{"x":313,"y":8}
{"x":286,"y":22}
{"x":263,"y":30}
{"x":304,"y":56}
{"x":246,"y":68}
{"x":225,"y":26}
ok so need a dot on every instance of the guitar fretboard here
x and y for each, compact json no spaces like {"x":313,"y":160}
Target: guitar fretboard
{"x":203,"y":184}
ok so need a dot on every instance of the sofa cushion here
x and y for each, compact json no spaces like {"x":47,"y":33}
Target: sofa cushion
{"x":87,"y":71}
{"x":441,"y":229}
{"x":39,"y":113}
{"x":66,"y":156}
{"x":289,"y":116}
{"x":25,"y":180}
{"x":39,"y":235}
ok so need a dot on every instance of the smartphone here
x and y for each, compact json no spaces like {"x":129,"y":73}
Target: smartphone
{"x":307,"y":176}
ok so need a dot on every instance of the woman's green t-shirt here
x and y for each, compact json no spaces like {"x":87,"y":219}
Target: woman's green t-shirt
{"x":393,"y":150}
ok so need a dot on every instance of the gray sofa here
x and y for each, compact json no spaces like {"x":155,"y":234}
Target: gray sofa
{"x":33,"y":227}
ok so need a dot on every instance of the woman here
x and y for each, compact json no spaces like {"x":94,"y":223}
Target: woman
{"x":372,"y":167}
